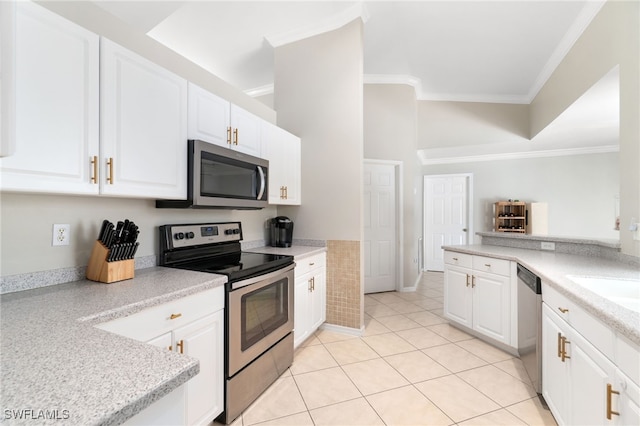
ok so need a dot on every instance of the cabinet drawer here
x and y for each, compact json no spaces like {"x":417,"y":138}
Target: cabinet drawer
{"x":152,"y":322}
{"x":584,"y":323}
{"x":458,"y":259}
{"x":309,"y":263}
{"x":492,"y":265}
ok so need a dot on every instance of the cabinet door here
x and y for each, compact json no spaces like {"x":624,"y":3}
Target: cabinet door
{"x":301,"y":308}
{"x":627,"y":403}
{"x":204,"y":339}
{"x":143,"y":126}
{"x":555,"y":373}
{"x":208,"y":117}
{"x":56,"y":105}
{"x":458,"y":295}
{"x":167,"y":411}
{"x":318,"y":298}
{"x":246,"y":131}
{"x":282,"y":149}
{"x":163,"y":341}
{"x":590,"y":372}
{"x":492,"y":305}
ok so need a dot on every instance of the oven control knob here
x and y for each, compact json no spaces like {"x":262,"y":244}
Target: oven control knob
{"x":179,"y":236}
{"x":190,"y":235}
{"x":228,"y":231}
{"x":236,"y":231}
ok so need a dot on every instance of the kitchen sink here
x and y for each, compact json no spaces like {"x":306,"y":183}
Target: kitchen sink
{"x":624,"y":292}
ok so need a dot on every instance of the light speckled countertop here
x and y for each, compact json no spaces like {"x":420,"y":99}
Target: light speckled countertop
{"x":53,"y":358}
{"x":298,"y":252}
{"x":553,"y":269}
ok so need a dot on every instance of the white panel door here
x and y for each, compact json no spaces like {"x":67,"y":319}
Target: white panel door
{"x":379,"y":228}
{"x":445,"y":216}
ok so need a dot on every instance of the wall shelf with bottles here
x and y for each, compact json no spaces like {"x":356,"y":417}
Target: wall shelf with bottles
{"x":510,"y":216}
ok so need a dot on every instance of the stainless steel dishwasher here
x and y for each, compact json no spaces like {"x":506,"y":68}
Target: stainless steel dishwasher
{"x":530,"y":325}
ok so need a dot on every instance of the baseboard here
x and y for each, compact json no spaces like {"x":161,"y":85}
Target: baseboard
{"x":415,"y":285}
{"x":342,"y":329}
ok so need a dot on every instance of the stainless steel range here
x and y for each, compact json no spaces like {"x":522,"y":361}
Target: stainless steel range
{"x":258,"y":310}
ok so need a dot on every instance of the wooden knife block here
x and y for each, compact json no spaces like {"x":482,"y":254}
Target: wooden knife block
{"x":108,"y":272}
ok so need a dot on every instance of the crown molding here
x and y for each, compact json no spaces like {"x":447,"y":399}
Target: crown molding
{"x":423,"y":155}
{"x":588,"y":12}
{"x":334,"y":22}
{"x":267,"y":89}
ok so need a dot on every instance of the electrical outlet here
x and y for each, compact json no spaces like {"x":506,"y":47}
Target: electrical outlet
{"x":545,"y":245}
{"x":61,"y":235}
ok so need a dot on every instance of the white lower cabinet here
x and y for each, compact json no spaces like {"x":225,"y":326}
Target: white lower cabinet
{"x":204,"y":339}
{"x":310,"y":296}
{"x":167,"y":411}
{"x":477,"y":294}
{"x":582,"y":385}
{"x":193,"y":326}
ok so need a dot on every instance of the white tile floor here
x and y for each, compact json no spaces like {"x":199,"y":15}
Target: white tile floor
{"x":409,"y":368}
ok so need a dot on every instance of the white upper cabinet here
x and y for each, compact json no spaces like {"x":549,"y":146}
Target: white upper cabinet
{"x":208,"y":117}
{"x":282,"y":149}
{"x":217,"y":121}
{"x":143,"y":111}
{"x":245,"y":131}
{"x":56,"y":105}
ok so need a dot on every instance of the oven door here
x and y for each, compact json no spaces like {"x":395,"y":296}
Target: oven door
{"x":260,"y":313}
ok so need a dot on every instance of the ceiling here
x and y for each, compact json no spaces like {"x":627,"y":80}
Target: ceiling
{"x":476,"y":51}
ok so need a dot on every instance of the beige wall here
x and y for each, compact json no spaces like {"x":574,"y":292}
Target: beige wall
{"x":612,"y":38}
{"x":27,"y":219}
{"x":580,"y":191}
{"x":318,"y":96}
{"x":390,"y":134}
{"x":441,"y":123}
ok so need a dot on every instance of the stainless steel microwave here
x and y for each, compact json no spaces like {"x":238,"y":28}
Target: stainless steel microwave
{"x":220,"y":177}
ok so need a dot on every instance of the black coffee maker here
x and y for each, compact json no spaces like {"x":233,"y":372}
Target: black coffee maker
{"x":281,"y":231}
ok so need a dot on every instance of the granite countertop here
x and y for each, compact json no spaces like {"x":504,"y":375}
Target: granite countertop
{"x":297,"y":251}
{"x":553,"y":269}
{"x":56,"y":363}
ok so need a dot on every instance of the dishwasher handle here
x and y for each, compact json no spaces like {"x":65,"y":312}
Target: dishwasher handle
{"x":530,"y":279}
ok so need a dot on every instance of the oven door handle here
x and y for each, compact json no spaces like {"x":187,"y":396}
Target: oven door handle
{"x":262,"y":183}
{"x":249,"y":281}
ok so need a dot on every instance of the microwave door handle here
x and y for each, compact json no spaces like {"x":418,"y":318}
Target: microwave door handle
{"x":262,"y":183}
